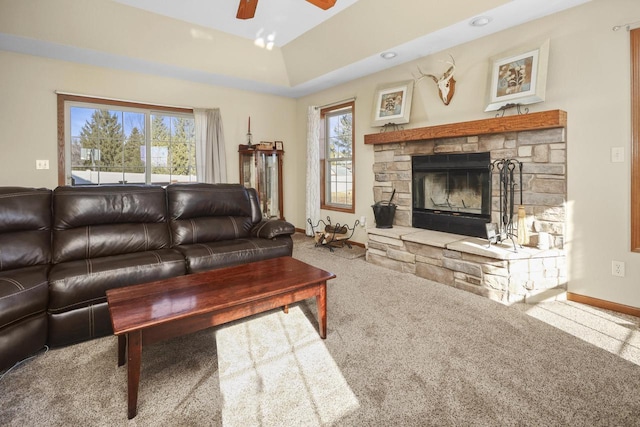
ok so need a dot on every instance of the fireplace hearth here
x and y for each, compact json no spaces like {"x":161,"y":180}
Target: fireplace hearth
{"x":452,"y":193}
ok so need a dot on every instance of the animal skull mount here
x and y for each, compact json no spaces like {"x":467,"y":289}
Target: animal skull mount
{"x":446,"y":83}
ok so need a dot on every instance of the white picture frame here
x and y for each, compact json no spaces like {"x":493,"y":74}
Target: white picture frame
{"x":392,"y":103}
{"x":518,"y":78}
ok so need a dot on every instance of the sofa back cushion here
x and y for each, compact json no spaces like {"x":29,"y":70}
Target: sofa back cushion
{"x":201,"y":213}
{"x":25,"y":227}
{"x":98,"y":221}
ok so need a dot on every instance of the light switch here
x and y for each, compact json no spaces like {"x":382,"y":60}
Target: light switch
{"x":617,"y":154}
{"x":42,"y":164}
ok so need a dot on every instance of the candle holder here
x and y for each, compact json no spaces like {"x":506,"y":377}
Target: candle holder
{"x":249,"y":136}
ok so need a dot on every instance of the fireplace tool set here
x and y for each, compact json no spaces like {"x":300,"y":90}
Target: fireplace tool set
{"x":505,"y":230}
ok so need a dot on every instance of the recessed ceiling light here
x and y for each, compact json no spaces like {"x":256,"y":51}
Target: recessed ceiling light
{"x":388,"y":55}
{"x":480,"y":21}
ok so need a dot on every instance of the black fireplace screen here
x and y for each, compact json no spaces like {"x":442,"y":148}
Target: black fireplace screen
{"x":452,"y":192}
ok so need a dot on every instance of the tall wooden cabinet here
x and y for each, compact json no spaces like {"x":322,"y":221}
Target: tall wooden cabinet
{"x":262,"y":170}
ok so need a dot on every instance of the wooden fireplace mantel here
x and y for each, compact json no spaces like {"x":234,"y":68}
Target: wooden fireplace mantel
{"x":532,"y":121}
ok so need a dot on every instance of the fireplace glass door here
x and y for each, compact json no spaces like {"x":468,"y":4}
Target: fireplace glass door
{"x":455,"y":191}
{"x":452,"y":193}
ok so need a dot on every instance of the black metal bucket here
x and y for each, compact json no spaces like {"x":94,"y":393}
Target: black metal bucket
{"x":384,"y":213}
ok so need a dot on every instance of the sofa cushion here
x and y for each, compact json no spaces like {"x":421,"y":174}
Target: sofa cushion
{"x":25,"y":227}
{"x":212,"y":255}
{"x":23,"y":293}
{"x":91,"y":222}
{"x":81,"y":283}
{"x":201,"y":213}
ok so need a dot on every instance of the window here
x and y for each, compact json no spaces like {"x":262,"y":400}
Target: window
{"x":109,"y":142}
{"x":337,"y":158}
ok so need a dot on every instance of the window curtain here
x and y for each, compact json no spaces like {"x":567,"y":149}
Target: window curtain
{"x":210,"y":153}
{"x":313,"y":168}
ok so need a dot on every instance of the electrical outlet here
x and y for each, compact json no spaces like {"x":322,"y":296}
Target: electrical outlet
{"x":42,"y":164}
{"x":617,"y":268}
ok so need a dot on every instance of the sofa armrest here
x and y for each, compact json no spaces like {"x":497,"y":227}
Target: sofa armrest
{"x":270,"y":228}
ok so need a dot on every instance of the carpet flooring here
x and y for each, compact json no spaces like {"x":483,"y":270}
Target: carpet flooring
{"x":400,"y":351}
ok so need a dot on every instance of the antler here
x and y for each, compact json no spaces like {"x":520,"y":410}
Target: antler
{"x":423,"y":75}
{"x":451,"y":69}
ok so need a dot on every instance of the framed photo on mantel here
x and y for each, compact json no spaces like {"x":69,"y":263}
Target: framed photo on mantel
{"x":392,"y":103}
{"x":519,"y":77}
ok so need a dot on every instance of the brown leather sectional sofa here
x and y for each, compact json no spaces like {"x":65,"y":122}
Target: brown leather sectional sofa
{"x":61,"y":250}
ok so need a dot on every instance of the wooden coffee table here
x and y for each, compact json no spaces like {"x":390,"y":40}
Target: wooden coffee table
{"x":150,"y":312}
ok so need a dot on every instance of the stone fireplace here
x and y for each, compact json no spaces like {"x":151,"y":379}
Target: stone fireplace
{"x":433,"y":193}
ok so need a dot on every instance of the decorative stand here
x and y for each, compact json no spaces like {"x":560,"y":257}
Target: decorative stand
{"x":391,"y":127}
{"x":506,"y":107}
{"x":332,"y":236}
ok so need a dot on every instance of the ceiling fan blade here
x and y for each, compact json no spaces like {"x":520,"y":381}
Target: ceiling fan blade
{"x":247,"y":9}
{"x":323,"y":4}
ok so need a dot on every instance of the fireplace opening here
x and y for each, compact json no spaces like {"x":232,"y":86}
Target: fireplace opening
{"x":452,"y":193}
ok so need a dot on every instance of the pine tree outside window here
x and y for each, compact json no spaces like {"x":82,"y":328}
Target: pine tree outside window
{"x":113,"y":143}
{"x":337,"y":158}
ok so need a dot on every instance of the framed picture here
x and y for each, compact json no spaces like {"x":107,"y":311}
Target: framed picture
{"x":279,"y":145}
{"x":392,"y":103}
{"x":492,"y":232}
{"x":519,"y":78}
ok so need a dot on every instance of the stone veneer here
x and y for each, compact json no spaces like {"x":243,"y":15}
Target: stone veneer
{"x":469,"y":263}
{"x":499,"y":272}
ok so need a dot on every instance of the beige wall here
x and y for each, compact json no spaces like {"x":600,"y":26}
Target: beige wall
{"x":28,"y":112}
{"x":588,"y":76}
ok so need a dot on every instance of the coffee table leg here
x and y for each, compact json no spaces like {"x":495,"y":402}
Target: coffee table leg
{"x":134,"y":350}
{"x":122,"y":347}
{"x":285,"y":308}
{"x":321,"y":302}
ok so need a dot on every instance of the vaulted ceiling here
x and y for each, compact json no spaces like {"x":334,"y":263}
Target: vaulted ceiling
{"x":291,"y":48}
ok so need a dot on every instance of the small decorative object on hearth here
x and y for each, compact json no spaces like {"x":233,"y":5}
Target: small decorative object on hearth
{"x":384,"y":212}
{"x":523,"y":233}
{"x":492,"y":232}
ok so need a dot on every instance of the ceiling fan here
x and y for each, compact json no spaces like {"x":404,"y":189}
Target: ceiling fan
{"x":247,"y":8}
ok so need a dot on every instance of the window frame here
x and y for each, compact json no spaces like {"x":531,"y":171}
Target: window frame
{"x":324,"y":203}
{"x":64,"y":99}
